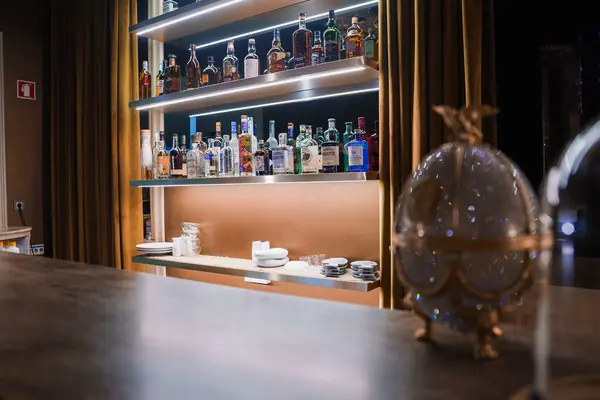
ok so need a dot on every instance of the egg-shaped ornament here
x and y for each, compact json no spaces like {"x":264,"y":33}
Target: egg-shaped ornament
{"x":467,"y":234}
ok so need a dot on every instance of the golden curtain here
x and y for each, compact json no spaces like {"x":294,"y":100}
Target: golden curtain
{"x":431,"y":52}
{"x":96,"y":217}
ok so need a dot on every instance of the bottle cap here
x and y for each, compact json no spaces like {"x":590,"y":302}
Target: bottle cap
{"x":12,"y":244}
{"x":173,"y":56}
{"x":355,"y":20}
{"x":331,"y":14}
{"x":251,"y":41}
{"x":211,"y":59}
{"x":226,"y":138}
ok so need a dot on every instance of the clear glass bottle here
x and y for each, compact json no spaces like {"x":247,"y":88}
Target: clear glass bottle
{"x":194,"y":80}
{"x":332,"y":38}
{"x":332,"y":153}
{"x":280,"y":157}
{"x":372,"y":46}
{"x":276,"y":56}
{"x":251,"y":61}
{"x":301,"y":136}
{"x":261,"y":160}
{"x":309,"y":154}
{"x":145,"y":78}
{"x":201,"y":143}
{"x":234,"y":143}
{"x":184,"y":151}
{"x":252,"y":130}
{"x":230,"y":64}
{"x":176,"y":164}
{"x":354,"y":40}
{"x":320,"y":136}
{"x":358,"y":153}
{"x":160,"y":80}
{"x":210,"y":75}
{"x":245,"y":149}
{"x":195,"y":160}
{"x":172,"y":76}
{"x":218,"y":135}
{"x":302,"y":39}
{"x":211,"y":160}
{"x":226,"y":155}
{"x":146,"y":154}
{"x":155,"y":150}
{"x":271,"y":141}
{"x":163,"y":160}
{"x":318,"y":53}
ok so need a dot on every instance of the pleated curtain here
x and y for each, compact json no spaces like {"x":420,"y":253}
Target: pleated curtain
{"x":431,"y":52}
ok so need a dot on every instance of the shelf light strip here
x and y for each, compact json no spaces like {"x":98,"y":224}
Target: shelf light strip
{"x":327,"y":96}
{"x":289,"y":23}
{"x":189,"y":16}
{"x":253,"y":87}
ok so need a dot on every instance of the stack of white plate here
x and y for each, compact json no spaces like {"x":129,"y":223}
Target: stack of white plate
{"x":155,"y":248}
{"x":365,"y":270}
{"x":271,"y":258}
{"x":334,"y":267}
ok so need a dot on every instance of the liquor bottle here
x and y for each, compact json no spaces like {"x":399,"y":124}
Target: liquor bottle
{"x":354,"y":40}
{"x":145,"y":77}
{"x":251,"y":61}
{"x":245,"y":147}
{"x":289,"y":61}
{"x":362,"y":126}
{"x":318,"y":53}
{"x":163,"y":160}
{"x":333,"y":39}
{"x":160,"y":80}
{"x":210,"y":75}
{"x":372,"y":46}
{"x":309,"y":154}
{"x":211,"y":160}
{"x":358,"y":154}
{"x":195,"y":160}
{"x":175,"y":159}
{"x":276,"y":56}
{"x":155,"y":151}
{"x":374,"y":148}
{"x":234,"y":143}
{"x":291,"y":142}
{"x":261,"y":160}
{"x":226,"y":166}
{"x":320,"y":137}
{"x":271,"y":141}
{"x":280,"y":157}
{"x":192,"y":69}
{"x":347,"y":138}
{"x":244,"y":125}
{"x":201,"y":143}
{"x":218,"y":135}
{"x":230,"y":64}
{"x":146,"y":154}
{"x":302,"y":40}
{"x":184,"y":151}
{"x":301,"y":136}
{"x":252,"y":131}
{"x":332,"y":153}
{"x":172,"y":76}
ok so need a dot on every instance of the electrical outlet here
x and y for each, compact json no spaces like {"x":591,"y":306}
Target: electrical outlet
{"x":18,"y":203}
{"x":37,"y":249}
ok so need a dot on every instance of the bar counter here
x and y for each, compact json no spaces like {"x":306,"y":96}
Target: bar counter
{"x":78,"y":331}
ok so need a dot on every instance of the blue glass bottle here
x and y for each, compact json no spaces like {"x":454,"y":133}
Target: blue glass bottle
{"x":358,"y":154}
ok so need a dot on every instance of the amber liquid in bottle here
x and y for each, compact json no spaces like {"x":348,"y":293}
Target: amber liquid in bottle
{"x":354,"y":40}
{"x":193,"y":70}
{"x":210,"y":75}
{"x":145,"y":78}
{"x":303,"y":41}
{"x":172,"y":76}
{"x":276,"y":56}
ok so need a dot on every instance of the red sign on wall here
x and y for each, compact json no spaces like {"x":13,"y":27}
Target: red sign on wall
{"x":26,"y":90}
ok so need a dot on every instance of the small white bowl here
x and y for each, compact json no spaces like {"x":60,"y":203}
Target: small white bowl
{"x":337,"y":261}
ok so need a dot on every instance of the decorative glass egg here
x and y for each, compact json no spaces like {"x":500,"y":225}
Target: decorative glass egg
{"x":466,"y":234}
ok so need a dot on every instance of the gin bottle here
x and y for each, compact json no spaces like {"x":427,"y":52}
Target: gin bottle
{"x":271,"y":141}
{"x":358,"y":154}
{"x":230,"y":64}
{"x":320,"y":137}
{"x":280,"y":157}
{"x":332,"y":153}
{"x":371,"y":46}
{"x":226,"y":166}
{"x":195,"y":160}
{"x":318,"y":53}
{"x":252,"y":130}
{"x":309,"y":155}
{"x":302,"y":39}
{"x":261,"y":160}
{"x":218,"y":135}
{"x":347,"y":138}
{"x":245,"y":147}
{"x":211,"y":160}
{"x":333,"y":39}
{"x":291,"y":142}
{"x":251,"y":61}
{"x":234,"y":143}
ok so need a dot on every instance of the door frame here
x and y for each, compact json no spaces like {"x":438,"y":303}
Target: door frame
{"x":3,"y":194}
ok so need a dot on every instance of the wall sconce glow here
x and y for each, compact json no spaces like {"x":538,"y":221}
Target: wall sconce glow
{"x":327,"y":96}
{"x":261,"y":86}
{"x":285,"y":24}
{"x":567,"y":228}
{"x":189,"y":16}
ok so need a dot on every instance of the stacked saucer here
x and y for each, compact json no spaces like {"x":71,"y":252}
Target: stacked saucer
{"x":334,"y":267}
{"x":271,"y":258}
{"x":365,"y":270}
{"x":155,"y":249}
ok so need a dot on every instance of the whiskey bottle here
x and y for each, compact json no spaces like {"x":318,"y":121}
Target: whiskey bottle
{"x":234,"y":143}
{"x":251,"y":61}
{"x":184,"y":151}
{"x":163,"y":161}
{"x":195,"y":160}
{"x":246,"y":152}
{"x":172,"y":76}
{"x":372,"y":46}
{"x":210,"y":75}
{"x":218,"y":137}
{"x":276,"y":56}
{"x":333,"y":39}
{"x":332,"y":153}
{"x":160,"y":80}
{"x":261,"y":160}
{"x":230,"y":64}
{"x":318,"y":53}
{"x":175,"y":161}
{"x":226,"y":166}
{"x":145,"y":77}
{"x":309,"y":154}
{"x":302,"y":39}
{"x":374,"y":148}
{"x":354,"y":40}
{"x":211,"y":160}
{"x":358,"y":154}
{"x":280,"y":157}
{"x":193,"y":70}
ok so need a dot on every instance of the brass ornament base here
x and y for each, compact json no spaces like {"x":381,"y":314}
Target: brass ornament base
{"x":577,"y":387}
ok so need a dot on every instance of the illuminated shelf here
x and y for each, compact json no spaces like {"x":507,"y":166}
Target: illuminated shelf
{"x":247,"y":269}
{"x":219,"y":20}
{"x":338,"y":78}
{"x":342,"y":177}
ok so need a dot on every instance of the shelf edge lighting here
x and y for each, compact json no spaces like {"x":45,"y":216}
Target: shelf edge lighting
{"x":277,"y":103}
{"x":285,"y":24}
{"x":253,"y":87}
{"x":189,"y":16}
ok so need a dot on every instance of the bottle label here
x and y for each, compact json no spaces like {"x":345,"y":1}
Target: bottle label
{"x":228,"y":71}
{"x":332,"y":50}
{"x":259,"y":164}
{"x":205,"y":79}
{"x":276,"y":62}
{"x":291,"y":161}
{"x":351,"y":49}
{"x":160,"y":86}
{"x":370,"y":48}
{"x":355,"y":156}
{"x":318,"y":58}
{"x":192,"y":168}
{"x":162,"y":166}
{"x":300,"y":59}
{"x":245,"y":154}
{"x":184,"y":170}
{"x":251,"y":68}
{"x":176,"y":172}
{"x":310,"y":159}
{"x":330,"y":156}
{"x":279,"y":161}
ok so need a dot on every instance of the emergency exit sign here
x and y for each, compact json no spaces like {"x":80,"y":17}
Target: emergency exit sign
{"x":26,"y":90}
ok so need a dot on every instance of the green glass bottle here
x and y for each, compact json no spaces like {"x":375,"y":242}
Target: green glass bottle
{"x":332,"y":39}
{"x":347,"y":137}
